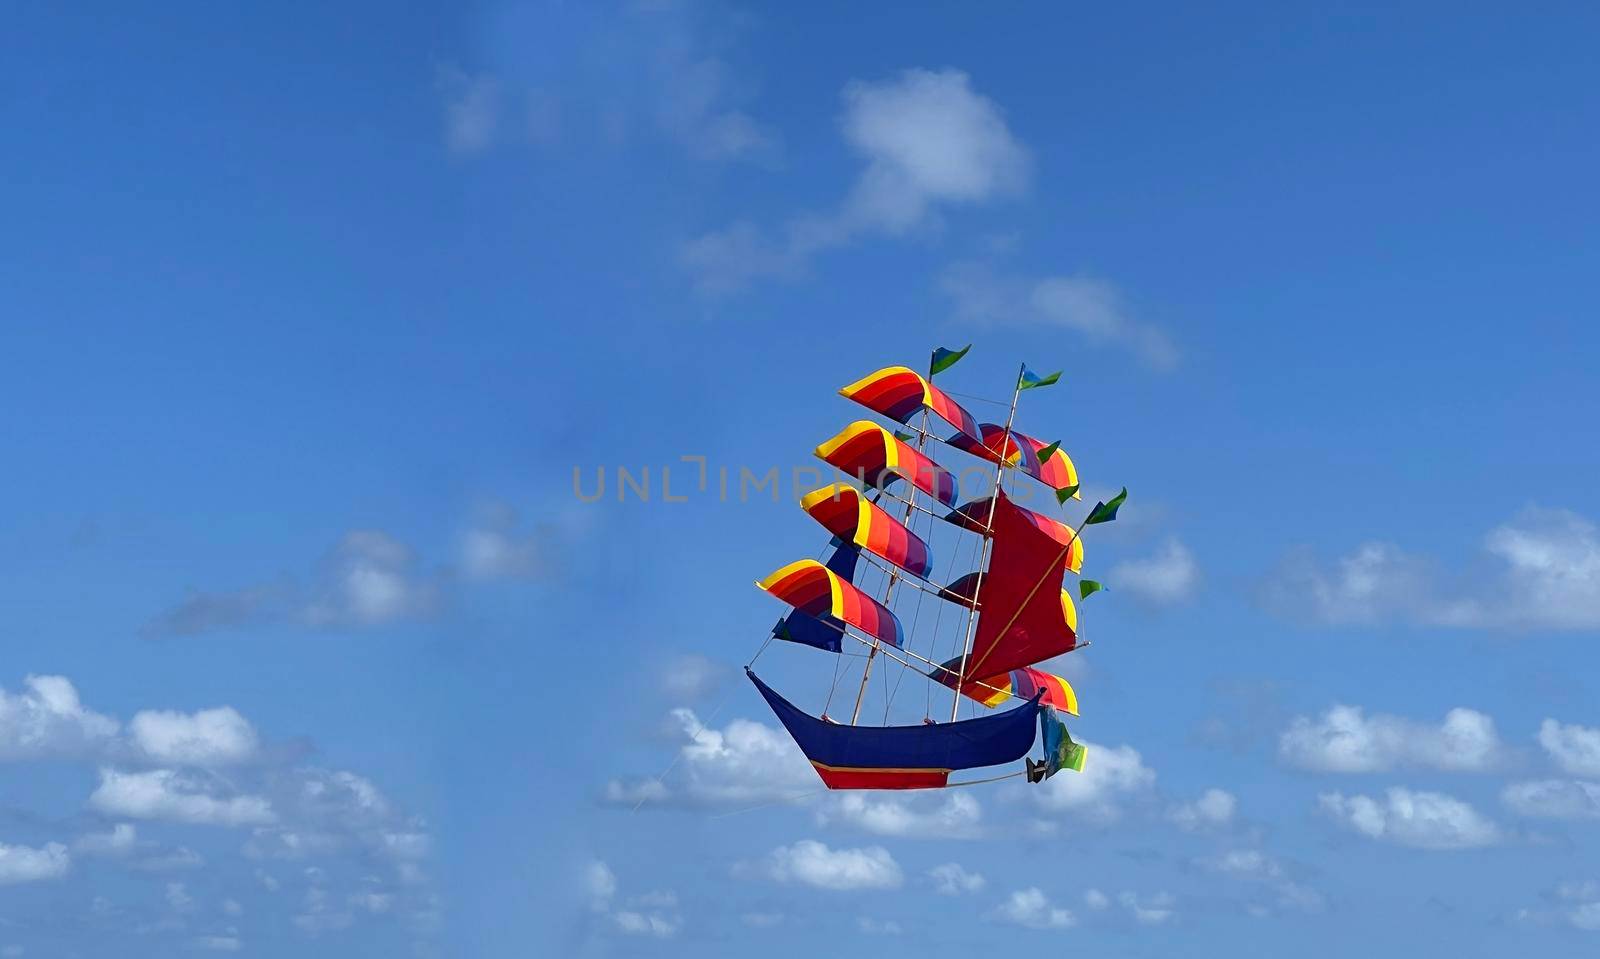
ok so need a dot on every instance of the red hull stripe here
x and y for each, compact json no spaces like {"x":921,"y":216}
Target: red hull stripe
{"x":846,"y":777}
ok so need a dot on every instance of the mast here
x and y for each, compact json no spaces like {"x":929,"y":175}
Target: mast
{"x":894,"y":572}
{"x":983,"y":557}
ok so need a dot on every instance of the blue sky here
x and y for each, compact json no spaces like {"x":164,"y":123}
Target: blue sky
{"x":308,"y":317}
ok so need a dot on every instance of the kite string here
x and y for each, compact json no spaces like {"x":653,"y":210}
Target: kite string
{"x":780,"y":801}
{"x":659,"y":780}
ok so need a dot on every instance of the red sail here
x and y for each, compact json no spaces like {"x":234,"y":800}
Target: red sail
{"x":1022,"y":622}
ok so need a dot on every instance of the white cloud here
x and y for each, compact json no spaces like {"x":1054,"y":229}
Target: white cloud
{"x":691,"y":677}
{"x":950,"y":879}
{"x":120,"y":841}
{"x":1253,"y":865}
{"x":1346,"y":740}
{"x":955,"y":815}
{"x":1552,"y":570}
{"x":471,"y":110}
{"x":650,"y":67}
{"x":695,"y":102}
{"x":1095,"y":899}
{"x":1578,"y":905}
{"x":1543,"y":573}
{"x":927,"y":140}
{"x":368,"y":579}
{"x":1152,"y":911}
{"x":744,"y":762}
{"x":1376,"y":582}
{"x":1576,"y":749}
{"x":1109,"y":778}
{"x":175,"y":796}
{"x":210,"y":737}
{"x":878,"y":927}
{"x":1554,"y":799}
{"x":645,"y":924}
{"x":1586,"y":916}
{"x":375,"y":903}
{"x":1422,"y":820}
{"x":219,"y":943}
{"x":981,"y":294}
{"x":1247,"y":862}
{"x":1213,"y":809}
{"x":1167,"y":578}
{"x":1032,"y":909}
{"x":181,"y":857}
{"x":1583,"y":911}
{"x":652,"y":914}
{"x":813,"y":864}
{"x":292,"y":811}
{"x":47,"y":721}
{"x":19,"y":864}
{"x":599,"y":884}
{"x":497,"y":548}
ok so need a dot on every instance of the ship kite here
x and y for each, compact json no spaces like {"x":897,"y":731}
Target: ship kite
{"x":1009,"y":608}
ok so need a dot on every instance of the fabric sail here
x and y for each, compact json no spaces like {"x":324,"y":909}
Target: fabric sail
{"x":903,"y":757}
{"x":1024,"y":683}
{"x":873,"y":454}
{"x":808,"y":630}
{"x":1021,"y":451}
{"x":964,"y":592}
{"x":974,"y":515}
{"x":818,"y":591}
{"x":846,"y":513}
{"x":1022,"y":620}
{"x":900,"y":393}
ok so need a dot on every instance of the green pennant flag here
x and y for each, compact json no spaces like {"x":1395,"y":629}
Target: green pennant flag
{"x":1030,"y":379}
{"x":1072,"y":755}
{"x":943,"y":359}
{"x":1065,"y":493}
{"x":1088,"y":586}
{"x":903,"y":437}
{"x":1049,"y":451}
{"x":1106,"y":512}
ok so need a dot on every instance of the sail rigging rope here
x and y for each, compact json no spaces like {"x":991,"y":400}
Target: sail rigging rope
{"x":969,"y":396}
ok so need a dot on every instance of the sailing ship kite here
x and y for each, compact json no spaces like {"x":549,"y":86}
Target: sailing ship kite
{"x":1015,"y":610}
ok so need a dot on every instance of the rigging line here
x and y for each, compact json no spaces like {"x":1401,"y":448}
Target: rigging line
{"x":884,"y":649}
{"x":837,"y":665}
{"x":763,"y":649}
{"x":991,"y":779}
{"x":940,"y":591}
{"x":888,"y":592}
{"x":1040,"y":582}
{"x":916,"y":617}
{"x":983,"y":552}
{"x":997,"y":459}
{"x":980,"y":399}
{"x":955,"y":639}
{"x":890,"y":694}
{"x":772,"y":636}
{"x":837,"y":673}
